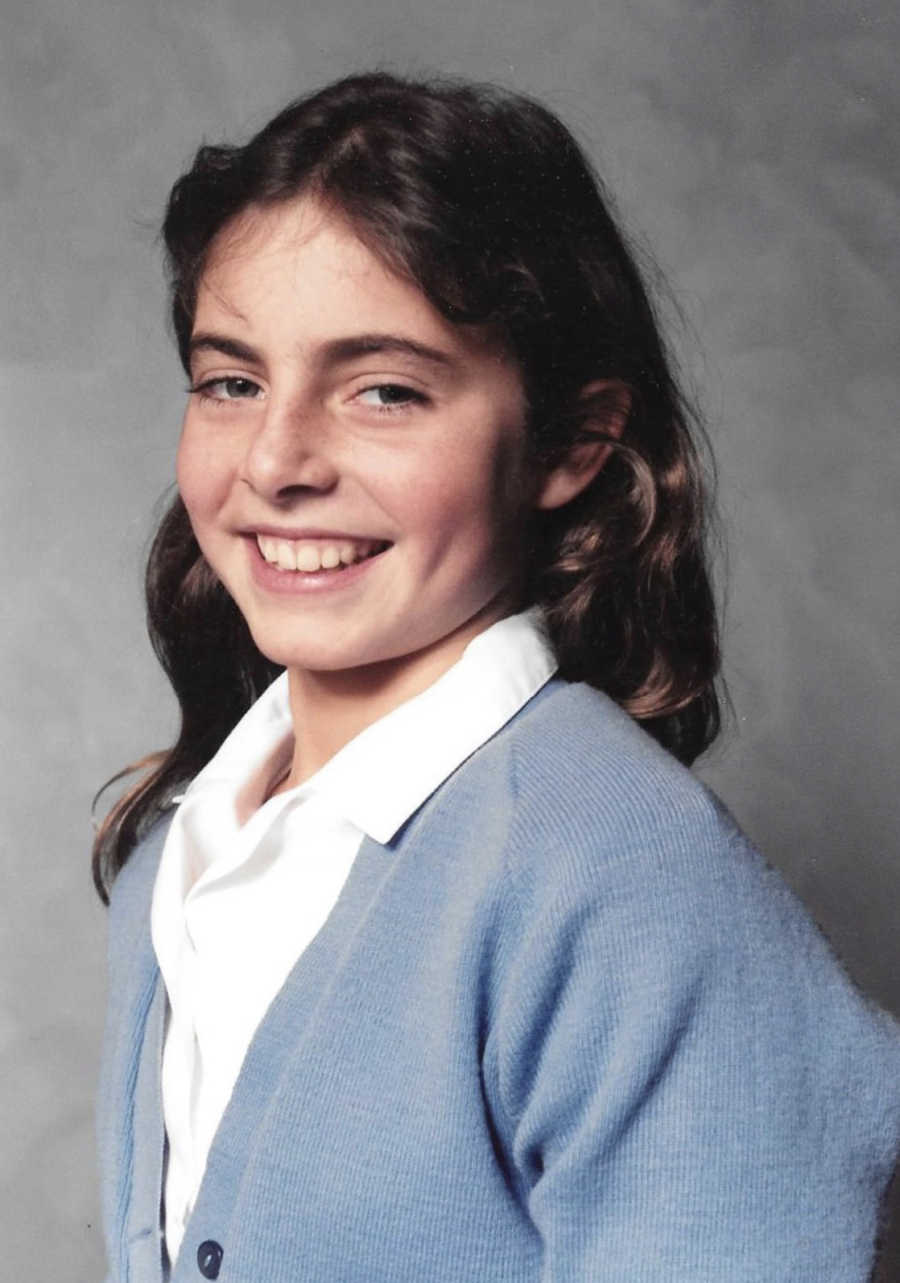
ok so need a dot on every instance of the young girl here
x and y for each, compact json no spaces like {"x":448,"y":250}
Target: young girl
{"x":430,"y":961}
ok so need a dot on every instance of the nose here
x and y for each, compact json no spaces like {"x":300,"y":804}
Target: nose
{"x":289,"y":453}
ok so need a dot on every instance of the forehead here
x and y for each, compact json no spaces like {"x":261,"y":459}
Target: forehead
{"x":302,"y":232}
{"x":301,"y":266}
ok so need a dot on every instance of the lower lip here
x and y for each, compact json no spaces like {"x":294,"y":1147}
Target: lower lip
{"x":303,"y":583}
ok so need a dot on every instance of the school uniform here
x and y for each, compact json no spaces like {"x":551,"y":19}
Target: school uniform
{"x":551,"y":1018}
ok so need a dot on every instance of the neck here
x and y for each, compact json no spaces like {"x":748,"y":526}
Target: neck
{"x":328,"y":709}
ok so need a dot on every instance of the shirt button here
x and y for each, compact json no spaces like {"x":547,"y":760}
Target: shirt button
{"x":209,"y":1258}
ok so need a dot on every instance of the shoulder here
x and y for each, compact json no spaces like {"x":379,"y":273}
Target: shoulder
{"x":605,"y":825}
{"x":624,"y":869}
{"x":579,"y":768}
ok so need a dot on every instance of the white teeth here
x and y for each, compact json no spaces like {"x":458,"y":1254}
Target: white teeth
{"x":308,"y":557}
{"x":286,"y":557}
{"x":292,"y":554}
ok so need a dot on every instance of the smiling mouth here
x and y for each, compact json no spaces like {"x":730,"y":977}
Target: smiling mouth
{"x":312,"y":555}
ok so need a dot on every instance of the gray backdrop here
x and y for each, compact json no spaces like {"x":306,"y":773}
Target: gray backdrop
{"x":749,"y":144}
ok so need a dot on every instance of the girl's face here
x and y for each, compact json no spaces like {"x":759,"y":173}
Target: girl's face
{"x":353,"y":465}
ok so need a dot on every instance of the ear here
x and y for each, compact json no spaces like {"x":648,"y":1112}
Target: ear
{"x":604,"y":406}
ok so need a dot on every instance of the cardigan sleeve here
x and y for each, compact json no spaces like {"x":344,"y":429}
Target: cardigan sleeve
{"x":685,"y":1084}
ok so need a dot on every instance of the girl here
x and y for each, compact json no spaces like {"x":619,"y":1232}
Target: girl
{"x":429,"y":958}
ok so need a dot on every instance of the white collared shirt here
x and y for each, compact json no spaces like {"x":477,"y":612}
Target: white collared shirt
{"x":235,"y":905}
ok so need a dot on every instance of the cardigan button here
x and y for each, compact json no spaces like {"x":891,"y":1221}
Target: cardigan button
{"x":209,"y":1258}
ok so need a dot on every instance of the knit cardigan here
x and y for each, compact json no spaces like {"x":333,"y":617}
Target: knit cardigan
{"x":567,"y":1026}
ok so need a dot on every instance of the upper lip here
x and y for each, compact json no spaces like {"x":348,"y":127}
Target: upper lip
{"x":296,"y":535}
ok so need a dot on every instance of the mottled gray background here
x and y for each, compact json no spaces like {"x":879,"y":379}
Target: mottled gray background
{"x":749,"y":144}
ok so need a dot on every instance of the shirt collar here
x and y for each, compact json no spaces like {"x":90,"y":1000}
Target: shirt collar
{"x":385,"y":773}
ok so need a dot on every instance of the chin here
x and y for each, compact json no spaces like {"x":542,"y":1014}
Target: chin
{"x":316,"y":655}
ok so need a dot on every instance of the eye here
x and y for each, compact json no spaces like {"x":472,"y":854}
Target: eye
{"x":391,"y":396}
{"x":229,"y":388}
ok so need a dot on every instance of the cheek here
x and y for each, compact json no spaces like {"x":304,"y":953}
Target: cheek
{"x":476,"y":500}
{"x":201,"y":475}
{"x":444,"y":508}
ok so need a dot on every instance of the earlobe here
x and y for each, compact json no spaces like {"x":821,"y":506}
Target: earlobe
{"x":605,"y":406}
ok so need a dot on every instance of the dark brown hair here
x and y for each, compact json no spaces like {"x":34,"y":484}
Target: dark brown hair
{"x":483,"y":199}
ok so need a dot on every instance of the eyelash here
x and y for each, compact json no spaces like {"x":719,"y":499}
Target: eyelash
{"x":205,"y":390}
{"x":411,"y":396}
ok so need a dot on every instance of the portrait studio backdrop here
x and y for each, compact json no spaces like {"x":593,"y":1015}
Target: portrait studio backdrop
{"x":750,"y":146}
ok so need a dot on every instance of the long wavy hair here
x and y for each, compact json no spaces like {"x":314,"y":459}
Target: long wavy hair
{"x":484,"y":201}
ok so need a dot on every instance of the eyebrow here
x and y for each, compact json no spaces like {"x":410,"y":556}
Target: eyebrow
{"x":208,"y":342}
{"x":334,"y":352}
{"x":364,"y":344}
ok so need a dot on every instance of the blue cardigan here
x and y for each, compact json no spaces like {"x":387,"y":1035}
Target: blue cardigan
{"x":566,"y":1027}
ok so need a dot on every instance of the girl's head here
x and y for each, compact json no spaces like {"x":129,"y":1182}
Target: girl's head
{"x":478,"y":204}
{"x":340,"y":425}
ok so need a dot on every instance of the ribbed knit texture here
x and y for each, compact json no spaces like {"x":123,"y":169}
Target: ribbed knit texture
{"x":568,"y":1026}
